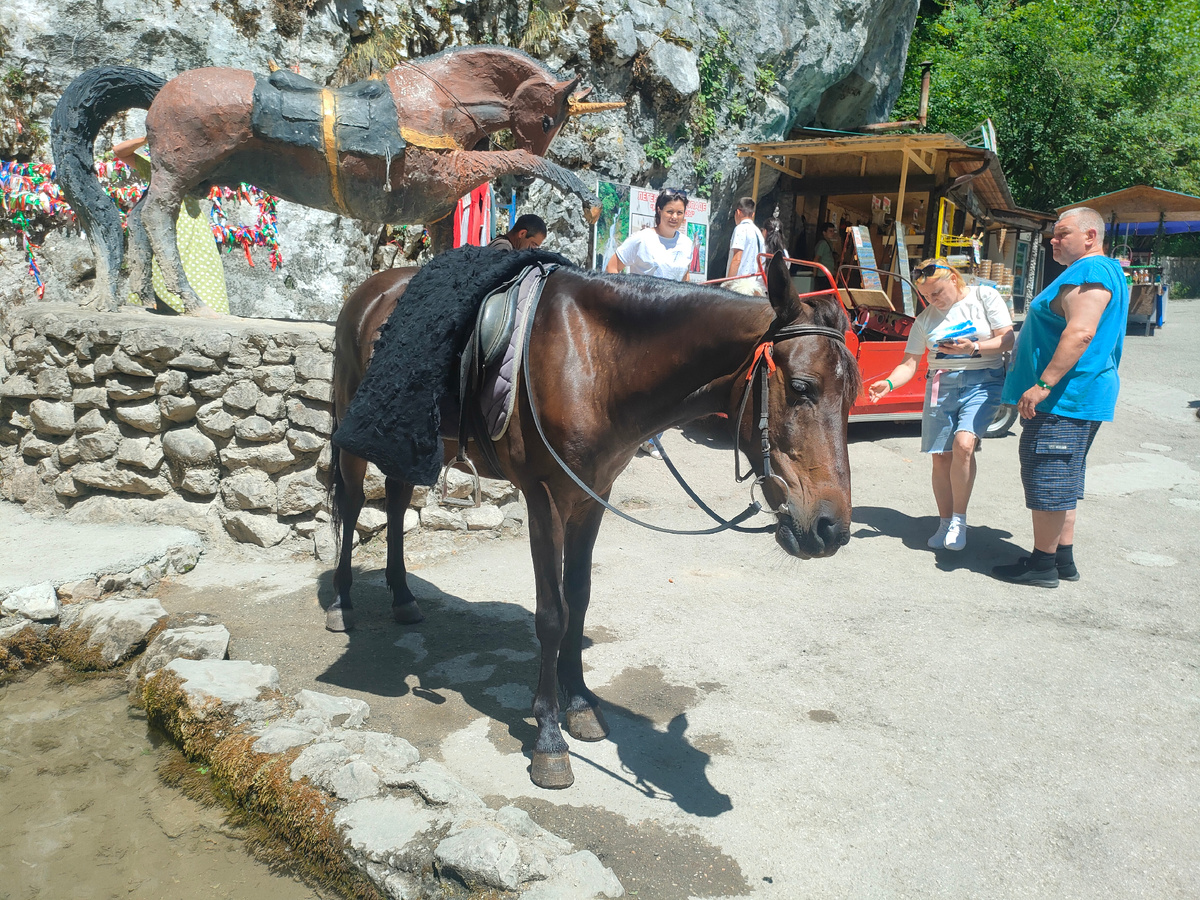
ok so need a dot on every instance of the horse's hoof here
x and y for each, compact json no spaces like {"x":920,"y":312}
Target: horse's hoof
{"x":407,"y":613}
{"x":551,"y":770}
{"x":587,"y":724}
{"x":338,"y":619}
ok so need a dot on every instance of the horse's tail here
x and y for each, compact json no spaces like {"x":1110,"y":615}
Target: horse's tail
{"x":335,"y":489}
{"x":88,"y":102}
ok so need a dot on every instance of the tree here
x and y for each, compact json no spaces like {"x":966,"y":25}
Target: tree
{"x":1087,"y":96}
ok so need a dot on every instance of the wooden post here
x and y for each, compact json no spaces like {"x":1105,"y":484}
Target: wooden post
{"x":757,"y":174}
{"x":903,"y":185}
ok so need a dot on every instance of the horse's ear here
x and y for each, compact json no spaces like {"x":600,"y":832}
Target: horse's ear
{"x":564,"y":88}
{"x":581,"y":95}
{"x":780,"y":290}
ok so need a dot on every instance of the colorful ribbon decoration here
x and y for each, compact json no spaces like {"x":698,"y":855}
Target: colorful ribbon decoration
{"x":29,"y":193}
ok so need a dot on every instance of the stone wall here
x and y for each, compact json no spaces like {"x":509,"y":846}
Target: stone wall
{"x":218,"y":426}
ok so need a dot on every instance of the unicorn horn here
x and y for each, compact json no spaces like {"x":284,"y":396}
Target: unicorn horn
{"x":577,"y":108}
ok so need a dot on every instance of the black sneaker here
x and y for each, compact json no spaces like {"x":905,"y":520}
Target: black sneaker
{"x":1065,"y":573}
{"x":1020,"y":573}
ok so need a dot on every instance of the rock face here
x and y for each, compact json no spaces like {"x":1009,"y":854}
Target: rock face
{"x":699,"y":76}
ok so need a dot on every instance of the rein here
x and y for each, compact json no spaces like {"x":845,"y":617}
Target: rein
{"x":763,"y":361}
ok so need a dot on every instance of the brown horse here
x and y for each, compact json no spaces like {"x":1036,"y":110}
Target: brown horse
{"x":613,"y":360}
{"x":422,"y":144}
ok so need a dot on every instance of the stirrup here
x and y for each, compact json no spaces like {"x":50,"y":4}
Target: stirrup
{"x":444,"y":484}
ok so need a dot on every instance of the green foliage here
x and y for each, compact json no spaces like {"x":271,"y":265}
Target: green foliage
{"x":764,"y":79}
{"x":1087,"y":96}
{"x":658,"y":151}
{"x":719,"y":75}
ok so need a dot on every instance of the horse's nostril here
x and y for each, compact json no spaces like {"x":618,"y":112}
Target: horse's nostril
{"x":829,"y":531}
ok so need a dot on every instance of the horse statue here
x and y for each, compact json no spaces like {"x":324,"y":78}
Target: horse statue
{"x":400,"y":148}
{"x":610,"y":361}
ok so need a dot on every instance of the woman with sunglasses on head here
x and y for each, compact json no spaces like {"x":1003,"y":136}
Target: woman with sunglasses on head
{"x":664,"y":251}
{"x":966,"y":331}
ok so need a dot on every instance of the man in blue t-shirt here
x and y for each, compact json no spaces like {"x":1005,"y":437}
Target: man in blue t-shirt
{"x":1064,"y":383}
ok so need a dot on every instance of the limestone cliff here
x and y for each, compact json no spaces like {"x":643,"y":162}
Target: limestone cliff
{"x":699,"y":76}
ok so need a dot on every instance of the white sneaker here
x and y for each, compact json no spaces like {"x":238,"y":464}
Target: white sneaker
{"x":650,"y":450}
{"x":956,"y":535}
{"x":938,"y":541}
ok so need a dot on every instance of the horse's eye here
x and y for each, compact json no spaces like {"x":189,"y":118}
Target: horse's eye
{"x":803,"y":389}
{"x":547,"y":124}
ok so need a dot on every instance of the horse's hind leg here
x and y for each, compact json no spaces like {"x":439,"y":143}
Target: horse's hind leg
{"x":141,"y":281}
{"x":551,"y":763}
{"x":404,"y":604}
{"x":160,"y":210}
{"x":348,"y":497}
{"x":583,"y":717}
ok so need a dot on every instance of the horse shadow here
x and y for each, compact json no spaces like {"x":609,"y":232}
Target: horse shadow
{"x":488,"y":653}
{"x":986,"y":546}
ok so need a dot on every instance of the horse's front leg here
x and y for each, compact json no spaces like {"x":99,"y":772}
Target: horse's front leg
{"x":349,"y":473}
{"x":551,"y":763}
{"x":584,"y":719}
{"x":404,"y":604}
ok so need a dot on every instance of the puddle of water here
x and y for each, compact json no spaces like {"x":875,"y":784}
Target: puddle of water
{"x":85,"y":815}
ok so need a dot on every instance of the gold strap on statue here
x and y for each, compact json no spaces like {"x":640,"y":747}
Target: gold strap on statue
{"x":328,"y":121}
{"x":428,"y":141}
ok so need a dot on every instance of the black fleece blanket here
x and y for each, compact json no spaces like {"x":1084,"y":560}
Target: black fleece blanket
{"x":394,"y":418}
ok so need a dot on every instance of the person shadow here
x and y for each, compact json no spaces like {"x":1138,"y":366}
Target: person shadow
{"x":487,"y":652}
{"x":986,"y":546}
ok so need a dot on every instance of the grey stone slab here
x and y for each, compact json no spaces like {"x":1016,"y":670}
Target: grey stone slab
{"x":118,"y":626}
{"x":379,"y":828}
{"x":231,"y":681}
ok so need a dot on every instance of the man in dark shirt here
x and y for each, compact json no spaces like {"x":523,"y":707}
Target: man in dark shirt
{"x":527,"y":233}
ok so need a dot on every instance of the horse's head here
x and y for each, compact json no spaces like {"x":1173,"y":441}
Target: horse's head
{"x":540,"y":108}
{"x":810,"y":395}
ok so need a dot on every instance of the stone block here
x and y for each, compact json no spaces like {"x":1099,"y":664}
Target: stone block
{"x":312,"y":364}
{"x":188,"y":447}
{"x":300,"y":493}
{"x":270,"y":458}
{"x":122,"y":390}
{"x":258,"y":429}
{"x":307,"y":415}
{"x":144,"y":453}
{"x":81,"y":374}
{"x":230,"y":681}
{"x":244,"y":352}
{"x":38,"y":602}
{"x":18,"y":386}
{"x":412,"y":520}
{"x":195,"y":362}
{"x":379,"y":827}
{"x":99,"y":445}
{"x":53,"y":384}
{"x":241,"y":395}
{"x":90,"y":398}
{"x":370,"y":521}
{"x":253,"y":528}
{"x":275,"y":355}
{"x":52,"y":418}
{"x":204,"y":482}
{"x":79,"y":591}
{"x":437,"y":518}
{"x":305,"y":441}
{"x":483,"y":518}
{"x":498,"y":491}
{"x":579,"y":874}
{"x":214,"y":421}
{"x":68,"y":452}
{"x":171,"y":382}
{"x":92,"y":421}
{"x":315,"y":390}
{"x":118,"y":627}
{"x":274,"y":379}
{"x":142,"y":416}
{"x":374,"y":483}
{"x":270,"y":406}
{"x":109,"y":477}
{"x":213,"y":344}
{"x":122,"y":362}
{"x":211,"y":386}
{"x":153,"y":342}
{"x":189,"y":641}
{"x":34,"y":447}
{"x":676,"y":66}
{"x":249,"y":489}
{"x":483,"y":854}
{"x":178,"y":409}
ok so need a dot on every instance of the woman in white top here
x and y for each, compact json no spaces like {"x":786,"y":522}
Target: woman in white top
{"x":665,"y":250}
{"x":962,"y":394}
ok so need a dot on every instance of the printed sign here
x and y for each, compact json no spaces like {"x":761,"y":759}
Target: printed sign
{"x":866,"y":256}
{"x":901,"y":266}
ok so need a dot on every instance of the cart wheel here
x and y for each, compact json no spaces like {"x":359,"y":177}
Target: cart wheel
{"x":1001,"y":422}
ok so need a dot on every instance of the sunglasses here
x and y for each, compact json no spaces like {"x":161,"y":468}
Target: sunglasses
{"x":674,"y":194}
{"x":929,"y":270}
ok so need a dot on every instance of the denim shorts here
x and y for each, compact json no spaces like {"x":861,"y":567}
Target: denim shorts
{"x":1053,"y":455}
{"x":967,"y":400}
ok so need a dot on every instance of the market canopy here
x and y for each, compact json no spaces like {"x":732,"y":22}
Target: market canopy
{"x":1143,"y":209}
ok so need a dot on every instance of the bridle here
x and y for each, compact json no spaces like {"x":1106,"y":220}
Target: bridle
{"x":762,"y":363}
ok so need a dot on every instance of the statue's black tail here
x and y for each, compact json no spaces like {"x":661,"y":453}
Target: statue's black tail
{"x":88,"y":102}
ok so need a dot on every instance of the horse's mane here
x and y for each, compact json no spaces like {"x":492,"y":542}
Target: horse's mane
{"x":485,"y":48}
{"x":645,"y":302}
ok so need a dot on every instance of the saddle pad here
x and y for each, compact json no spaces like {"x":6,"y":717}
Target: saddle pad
{"x":498,"y":392}
{"x":365,"y":121}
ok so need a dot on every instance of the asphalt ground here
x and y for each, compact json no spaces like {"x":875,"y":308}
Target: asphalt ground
{"x":891,"y":722}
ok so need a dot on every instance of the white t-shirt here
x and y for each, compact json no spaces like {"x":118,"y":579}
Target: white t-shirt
{"x":646,"y":253}
{"x":747,"y":238}
{"x":983,"y":307}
